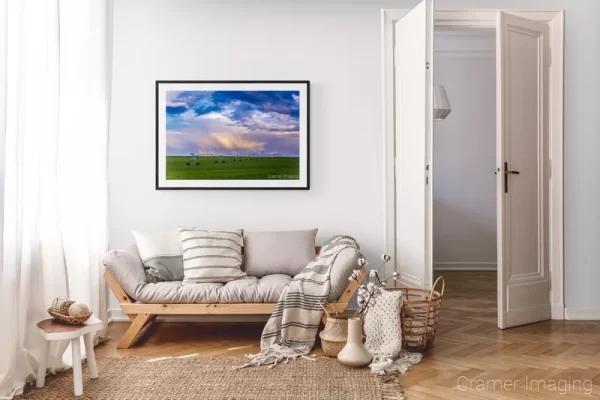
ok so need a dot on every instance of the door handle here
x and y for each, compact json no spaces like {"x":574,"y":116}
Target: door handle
{"x":506,"y":172}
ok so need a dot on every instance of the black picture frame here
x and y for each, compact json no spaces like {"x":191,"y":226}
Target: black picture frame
{"x":306,"y":121}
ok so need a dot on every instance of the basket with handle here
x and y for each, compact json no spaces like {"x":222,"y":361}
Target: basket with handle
{"x":420,"y":314}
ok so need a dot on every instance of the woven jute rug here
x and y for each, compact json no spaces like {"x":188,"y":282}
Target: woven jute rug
{"x":214,"y":378}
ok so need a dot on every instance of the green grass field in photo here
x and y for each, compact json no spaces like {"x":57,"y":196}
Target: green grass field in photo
{"x":232,"y":168}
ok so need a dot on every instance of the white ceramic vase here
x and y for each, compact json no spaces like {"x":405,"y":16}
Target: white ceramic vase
{"x":354,"y":354}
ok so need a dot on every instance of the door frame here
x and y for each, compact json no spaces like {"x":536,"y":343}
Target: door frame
{"x":484,"y":18}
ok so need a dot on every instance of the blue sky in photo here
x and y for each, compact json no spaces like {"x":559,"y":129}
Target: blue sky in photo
{"x":233,"y":122}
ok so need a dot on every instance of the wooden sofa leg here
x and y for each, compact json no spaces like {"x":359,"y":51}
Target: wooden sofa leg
{"x":140,"y":324}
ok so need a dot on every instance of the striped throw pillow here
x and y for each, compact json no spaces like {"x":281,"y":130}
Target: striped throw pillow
{"x":211,"y":256}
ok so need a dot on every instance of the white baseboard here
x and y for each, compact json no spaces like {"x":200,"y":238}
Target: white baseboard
{"x":558,"y":311}
{"x":582,"y":313}
{"x":465,"y":266}
{"x":117,"y":315}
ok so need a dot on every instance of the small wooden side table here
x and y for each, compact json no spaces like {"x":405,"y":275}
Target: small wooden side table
{"x":54,"y":330}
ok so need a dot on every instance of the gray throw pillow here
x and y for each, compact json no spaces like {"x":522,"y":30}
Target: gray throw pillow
{"x":285,"y":252}
{"x":161,"y":254}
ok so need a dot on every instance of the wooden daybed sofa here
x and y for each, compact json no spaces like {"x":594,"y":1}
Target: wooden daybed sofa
{"x":142,"y":302}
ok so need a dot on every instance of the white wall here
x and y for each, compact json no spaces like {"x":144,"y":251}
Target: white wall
{"x":464,"y":192}
{"x":336,"y":48}
{"x":335,"y":44}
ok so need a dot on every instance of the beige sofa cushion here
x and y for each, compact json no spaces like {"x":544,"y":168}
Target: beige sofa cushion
{"x":245,"y":290}
{"x":127,"y":268}
{"x":285,"y":252}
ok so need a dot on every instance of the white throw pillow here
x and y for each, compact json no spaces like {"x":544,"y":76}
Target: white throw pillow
{"x":211,"y":256}
{"x":161,"y":255}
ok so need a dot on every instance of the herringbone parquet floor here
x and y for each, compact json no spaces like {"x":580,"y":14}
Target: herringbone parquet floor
{"x":471,"y":358}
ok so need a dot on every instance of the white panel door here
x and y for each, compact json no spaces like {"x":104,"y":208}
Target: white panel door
{"x":413,"y":64}
{"x":523,"y":61}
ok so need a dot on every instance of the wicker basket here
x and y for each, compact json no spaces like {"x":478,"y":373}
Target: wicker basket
{"x":334,"y":336}
{"x":73,"y":320}
{"x":420,"y":314}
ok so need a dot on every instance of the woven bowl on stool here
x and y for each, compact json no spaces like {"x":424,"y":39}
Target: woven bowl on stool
{"x":69,"y":319}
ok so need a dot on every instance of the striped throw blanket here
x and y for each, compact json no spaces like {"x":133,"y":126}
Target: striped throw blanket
{"x":291,"y":330}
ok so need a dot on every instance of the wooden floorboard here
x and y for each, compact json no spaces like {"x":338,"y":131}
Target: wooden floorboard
{"x":470,"y":359}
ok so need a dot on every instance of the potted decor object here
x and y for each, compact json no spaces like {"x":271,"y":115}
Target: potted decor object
{"x":335,"y":335}
{"x":354,"y":354}
{"x":420,"y":311}
{"x":381,"y":310}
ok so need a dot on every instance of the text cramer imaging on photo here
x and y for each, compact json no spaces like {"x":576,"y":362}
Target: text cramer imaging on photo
{"x":528,"y":384}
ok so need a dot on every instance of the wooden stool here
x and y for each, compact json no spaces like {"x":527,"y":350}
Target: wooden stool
{"x":54,"y":330}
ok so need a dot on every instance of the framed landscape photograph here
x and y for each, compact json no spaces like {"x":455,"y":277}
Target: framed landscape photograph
{"x":232,"y":135}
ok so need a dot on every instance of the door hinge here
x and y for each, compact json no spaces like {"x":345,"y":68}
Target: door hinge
{"x":550,"y":169}
{"x":550,"y":56}
{"x":427,"y":65}
{"x":427,"y":174}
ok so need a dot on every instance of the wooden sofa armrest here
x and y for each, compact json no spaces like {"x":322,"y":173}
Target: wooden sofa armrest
{"x":116,"y":287}
{"x":345,"y":298}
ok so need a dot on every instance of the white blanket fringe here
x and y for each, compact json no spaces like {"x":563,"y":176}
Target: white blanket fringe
{"x":274,"y":355}
{"x":389,"y":365}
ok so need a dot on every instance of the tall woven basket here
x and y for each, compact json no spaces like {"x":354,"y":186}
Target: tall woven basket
{"x":335,"y":335}
{"x":420,"y":314}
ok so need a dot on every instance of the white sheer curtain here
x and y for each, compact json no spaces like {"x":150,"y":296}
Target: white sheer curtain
{"x":54,"y":115}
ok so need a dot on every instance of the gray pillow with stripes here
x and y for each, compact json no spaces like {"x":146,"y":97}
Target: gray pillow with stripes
{"x":211,"y":256}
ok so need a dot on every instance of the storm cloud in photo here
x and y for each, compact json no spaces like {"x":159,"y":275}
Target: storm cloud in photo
{"x":233,"y":122}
